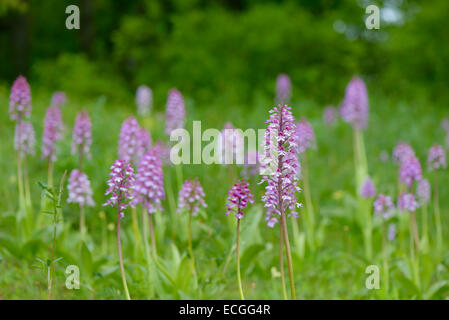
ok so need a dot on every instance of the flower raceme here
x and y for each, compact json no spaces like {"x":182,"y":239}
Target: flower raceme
{"x":368,"y":190}
{"x":383,"y":206}
{"x":423,"y":191}
{"x":402,"y":152}
{"x":79,"y":189}
{"x":231,"y":144}
{"x":20,"y":99}
{"x":52,"y":132}
{"x":144,"y":100}
{"x":305,"y":136}
{"x":410,"y":171}
{"x":24,"y":138}
{"x":354,"y":109}
{"x":128,"y":139}
{"x":143,"y":144}
{"x":175,"y":111}
{"x":283,"y":89}
{"x":281,"y":155}
{"x":149,"y":185}
{"x":82,"y":134}
{"x":191,"y":197}
{"x":58,"y":99}
{"x":436,"y":158}
{"x":330,"y":115}
{"x":407,"y":202}
{"x":238,"y":197}
{"x":120,"y":186}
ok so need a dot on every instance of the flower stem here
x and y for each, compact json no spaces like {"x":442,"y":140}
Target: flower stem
{"x":189,"y":239}
{"x":238,"y":261}
{"x":119,"y":247}
{"x":385,"y":258}
{"x":281,"y":260}
{"x":147,"y":250}
{"x":413,"y":258}
{"x":153,"y":238}
{"x":289,"y":254}
{"x":436,"y":205}
{"x":309,"y":206}
{"x":82,"y":224}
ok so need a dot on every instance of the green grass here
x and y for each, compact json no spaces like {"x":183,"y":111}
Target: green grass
{"x":335,"y":271}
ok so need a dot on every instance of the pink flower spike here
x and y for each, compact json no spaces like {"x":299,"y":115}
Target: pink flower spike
{"x":281,"y":150}
{"x":238,"y":197}
{"x":283,"y":89}
{"x":410,"y":171}
{"x":368,"y":190}
{"x":383,"y":206}
{"x":20,"y":99}
{"x":24,"y":138}
{"x":58,"y":99}
{"x":79,"y":189}
{"x":82,"y":134}
{"x":149,"y":186}
{"x":144,"y":100}
{"x":354,"y":108}
{"x":128,"y":141}
{"x":175,"y":111}
{"x":120,"y":186}
{"x":407,"y":202}
{"x":305,"y":136}
{"x":191,"y":197}
{"x":436,"y":158}
{"x":53,"y":128}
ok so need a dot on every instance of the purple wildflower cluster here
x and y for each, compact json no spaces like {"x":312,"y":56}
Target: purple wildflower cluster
{"x":149,"y":186}
{"x":238,"y":197}
{"x":305,"y":136}
{"x":354,"y":108}
{"x":436,"y":158}
{"x":282,"y":183}
{"x":407,"y":202}
{"x":175,"y":111}
{"x":20,"y":99}
{"x":79,"y":189}
{"x":231,"y":144}
{"x":58,"y":99}
{"x":53,"y":128}
{"x":121,"y":185}
{"x":82,"y":134}
{"x":134,"y":141}
{"x":383,"y":206}
{"x":283,"y":89}
{"x":252,"y":165}
{"x":410,"y":171}
{"x":423,"y":191}
{"x":24,"y":138}
{"x":191,"y":197}
{"x":330,"y":115}
{"x":402,"y":152}
{"x":144,"y":100}
{"x":368,"y":190}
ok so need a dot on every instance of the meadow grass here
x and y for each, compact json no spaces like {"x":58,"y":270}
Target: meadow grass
{"x":335,"y":270}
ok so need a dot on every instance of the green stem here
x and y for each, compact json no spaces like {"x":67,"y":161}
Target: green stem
{"x":281,"y":260}
{"x":385,"y":258}
{"x":153,"y":238}
{"x":147,"y":249}
{"x":425,"y":228}
{"x":239,"y":279}
{"x":436,"y":204}
{"x":82,"y":224}
{"x":289,"y":254}
{"x":189,"y":240}
{"x":412,"y":255}
{"x":179,"y":176}
{"x":136,"y":231}
{"x":309,"y":206}
{"x":122,"y":268}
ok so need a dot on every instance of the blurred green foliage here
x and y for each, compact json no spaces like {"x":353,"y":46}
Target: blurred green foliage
{"x":227,"y":50}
